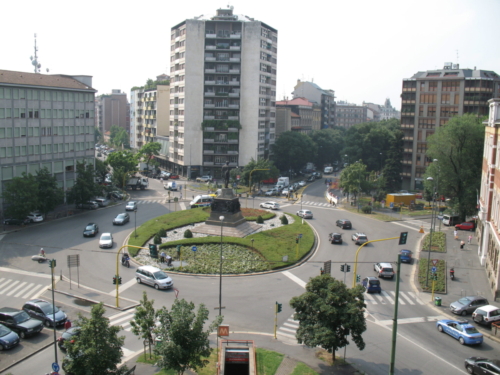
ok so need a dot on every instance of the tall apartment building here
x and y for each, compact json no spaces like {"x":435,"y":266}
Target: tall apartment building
{"x":349,"y":114}
{"x":150,"y":112}
{"x":323,"y":98}
{"x":223,"y":82}
{"x":113,"y":109}
{"x":45,"y":121}
{"x":298,"y":115}
{"x":429,"y":100}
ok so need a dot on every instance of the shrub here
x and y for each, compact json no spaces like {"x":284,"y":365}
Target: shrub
{"x":367,"y":209}
{"x":162,"y":233}
{"x":284,"y":220}
{"x":260,"y":220}
{"x":188,"y":234}
{"x":157,"y":239}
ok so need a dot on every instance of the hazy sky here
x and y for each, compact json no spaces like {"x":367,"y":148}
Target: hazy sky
{"x":361,"y":49}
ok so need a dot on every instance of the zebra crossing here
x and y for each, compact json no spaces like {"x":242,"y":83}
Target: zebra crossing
{"x":316,"y":204}
{"x":123,"y":319}
{"x":387,"y":298}
{"x":24,"y":290}
{"x":288,"y":329}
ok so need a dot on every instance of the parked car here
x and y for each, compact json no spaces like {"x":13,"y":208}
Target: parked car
{"x":101,"y":202}
{"x":335,"y":238}
{"x":466,"y":226}
{"x":480,"y":365}
{"x":270,"y":205}
{"x":302,"y":183}
{"x":317,"y":175}
{"x":90,"y":230}
{"x":461,"y":330}
{"x":359,"y":238}
{"x":106,"y":240}
{"x":285,"y":191}
{"x":35,"y":217}
{"x":467,"y":305}
{"x":19,"y":321}
{"x":204,"y":179}
{"x":153,"y":276}
{"x":16,"y":221}
{"x":371,"y":284}
{"x":45,"y":311}
{"x":8,"y":338}
{"x":306,"y":214}
{"x":486,"y":314}
{"x":174,"y":177}
{"x":311,"y":178}
{"x":131,"y":206}
{"x":344,"y":224}
{"x":90,"y":205}
{"x":68,"y":336}
{"x":121,"y":219}
{"x":406,"y":256}
{"x":384,"y":270}
{"x":116,"y":195}
{"x":271,"y":192}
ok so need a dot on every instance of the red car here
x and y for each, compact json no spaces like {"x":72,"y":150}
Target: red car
{"x":174,"y":177}
{"x":466,"y":226}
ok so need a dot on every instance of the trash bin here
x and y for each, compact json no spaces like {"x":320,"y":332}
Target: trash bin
{"x":437,"y":301}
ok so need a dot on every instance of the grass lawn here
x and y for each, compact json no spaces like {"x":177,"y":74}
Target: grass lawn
{"x":373,"y":215}
{"x":440,"y":283}
{"x":438,"y":242}
{"x":152,"y":361}
{"x":303,"y":369}
{"x":268,"y":361}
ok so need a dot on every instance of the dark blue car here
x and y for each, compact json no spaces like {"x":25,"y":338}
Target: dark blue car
{"x":406,"y":256}
{"x":371,"y":284}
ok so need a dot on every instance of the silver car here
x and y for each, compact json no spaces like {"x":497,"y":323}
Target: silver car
{"x":153,"y":276}
{"x":468,"y":305}
{"x":106,"y":240}
{"x":131,"y":206}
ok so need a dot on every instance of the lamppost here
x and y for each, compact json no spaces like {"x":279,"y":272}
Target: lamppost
{"x":135,"y":222}
{"x":221,"y":218}
{"x":432,"y":230}
{"x":437,"y":192}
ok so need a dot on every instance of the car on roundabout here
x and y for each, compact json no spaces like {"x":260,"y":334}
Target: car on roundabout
{"x":272,"y":192}
{"x":270,"y":205}
{"x":465,"y":333}
{"x":106,"y":241}
{"x":153,"y":276}
{"x":406,"y":256}
{"x":121,"y":219}
{"x":305,"y":214}
{"x":302,"y":183}
{"x":335,"y":238}
{"x":344,"y":224}
{"x":371,"y":284}
{"x":90,"y":230}
{"x":131,"y":206}
{"x":481,"y":365}
{"x":359,"y":238}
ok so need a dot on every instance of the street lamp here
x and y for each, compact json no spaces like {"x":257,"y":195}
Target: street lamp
{"x":432,"y":230}
{"x":221,"y":218}
{"x":437,"y":193}
{"x":135,"y":222}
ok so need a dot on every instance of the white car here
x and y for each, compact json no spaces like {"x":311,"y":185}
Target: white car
{"x":271,"y":192}
{"x":131,"y":206}
{"x":106,"y":240}
{"x":306,"y":214}
{"x":270,"y":205}
{"x":285,"y":191}
{"x":302,"y":183}
{"x":35,"y":217}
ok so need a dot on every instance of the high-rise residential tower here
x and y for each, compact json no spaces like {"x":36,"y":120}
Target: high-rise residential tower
{"x":223,"y":92}
{"x":429,"y":100}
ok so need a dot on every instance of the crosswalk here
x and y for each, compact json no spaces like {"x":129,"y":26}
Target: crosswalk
{"x":123,"y":319}
{"x":316,"y":204}
{"x":24,"y":290}
{"x":387,"y":298}
{"x":182,"y":205}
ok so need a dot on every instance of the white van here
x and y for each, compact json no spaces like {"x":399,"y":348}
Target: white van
{"x":201,"y":201}
{"x":328,"y":170}
{"x":450,"y":220}
{"x":172,"y":185}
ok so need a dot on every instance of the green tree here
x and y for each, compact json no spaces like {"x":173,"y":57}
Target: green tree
{"x":329,"y":143}
{"x":184,"y":344}
{"x":101,"y":169}
{"x":19,"y":196}
{"x":392,"y":163}
{"x":353,"y":179}
{"x":49,"y":194}
{"x":328,"y":312}
{"x":98,"y":349}
{"x":119,"y":137}
{"x":293,"y":150}
{"x":85,"y":187}
{"x":257,"y":176}
{"x":124,"y":159}
{"x":458,"y":147}
{"x":97,"y":135}
{"x":149,"y":151}
{"x":143,"y":324}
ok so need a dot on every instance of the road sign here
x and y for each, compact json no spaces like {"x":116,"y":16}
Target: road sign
{"x":434,"y":269}
{"x":194,"y":248}
{"x":223,"y":330}
{"x":434,"y":262}
{"x":55,"y":366}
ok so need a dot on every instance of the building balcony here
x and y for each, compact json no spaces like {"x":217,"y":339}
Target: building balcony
{"x":234,"y":59}
{"x":221,"y":83}
{"x":408,"y":138}
{"x":408,"y":150}
{"x":409,"y":101}
{"x":234,"y":83}
{"x":209,"y":129}
{"x":232,"y":152}
{"x":210,"y":71}
{"x":210,"y":58}
{"x":236,"y":106}
{"x":233,"y":117}
{"x":209,"y":105}
{"x":408,"y":126}
{"x":478,"y":89}
{"x":208,"y":152}
{"x":234,"y":71}
{"x":208,"y":117}
{"x":209,"y":82}
{"x":235,"y":48}
{"x":408,"y":162}
{"x":208,"y":140}
{"x":209,"y":93}
{"x":211,"y":36}
{"x":234,"y":95}
{"x":209,"y":47}
{"x":409,"y":89}
{"x":235,"y":36}
{"x":208,"y":163}
{"x":408,"y":114}
{"x":232,"y":141}
{"x":233,"y":164}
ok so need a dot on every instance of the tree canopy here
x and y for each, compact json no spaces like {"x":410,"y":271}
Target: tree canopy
{"x":143,"y":324}
{"x":149,"y":151}
{"x":293,"y":150}
{"x":119,"y":137}
{"x":184,"y":342}
{"x":328,"y":312}
{"x":458,"y":148}
{"x":50,"y":195}
{"x":353,"y":179}
{"x":257,"y":175}
{"x":329,"y":143}
{"x":20,"y":197}
{"x":85,"y":187}
{"x":98,"y":349}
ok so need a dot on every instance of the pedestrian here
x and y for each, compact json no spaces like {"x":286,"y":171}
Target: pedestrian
{"x":67,"y":324}
{"x":470,"y":239}
{"x":180,"y":197}
{"x":169,"y":260}
{"x":455,"y":233}
{"x":462,"y":243}
{"x":162,"y":257}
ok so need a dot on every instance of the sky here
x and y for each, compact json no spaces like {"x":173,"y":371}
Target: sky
{"x":360,"y":49}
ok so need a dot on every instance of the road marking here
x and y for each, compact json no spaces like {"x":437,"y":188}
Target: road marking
{"x":400,"y":300}
{"x":416,"y":298}
{"x":183,"y":206}
{"x":29,"y":286}
{"x":406,"y":298}
{"x":20,"y":272}
{"x":372,"y":301}
{"x":421,"y":319}
{"x":295,"y":278}
{"x":10,"y":286}
{"x":406,"y":226}
{"x":128,"y":318}
{"x":35,"y":290}
{"x":380,"y":299}
{"x":386,"y":295}
{"x":16,"y":288}
{"x":124,"y":287}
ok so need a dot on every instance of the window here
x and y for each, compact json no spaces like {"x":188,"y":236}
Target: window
{"x":445,"y":98}
{"x":427,"y":98}
{"x":433,"y":85}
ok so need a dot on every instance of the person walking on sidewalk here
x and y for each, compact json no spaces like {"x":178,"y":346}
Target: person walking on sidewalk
{"x":162,"y":257}
{"x":455,"y":233}
{"x":470,"y":239}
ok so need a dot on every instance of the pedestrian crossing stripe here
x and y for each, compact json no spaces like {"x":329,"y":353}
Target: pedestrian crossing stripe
{"x":18,"y":289}
{"x":385,"y":298}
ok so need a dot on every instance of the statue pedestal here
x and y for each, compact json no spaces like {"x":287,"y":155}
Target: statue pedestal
{"x":227,"y":205}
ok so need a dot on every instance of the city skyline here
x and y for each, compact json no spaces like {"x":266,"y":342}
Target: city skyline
{"x":362,"y":57}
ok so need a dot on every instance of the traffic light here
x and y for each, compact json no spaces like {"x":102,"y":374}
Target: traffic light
{"x":358,"y":278}
{"x":297,"y":240}
{"x":403,"y":237}
{"x":119,"y":279}
{"x":348,"y":268}
{"x":114,"y":280}
{"x":52,"y":263}
{"x":435,"y":276}
{"x":342,"y":268}
{"x":278,"y":307}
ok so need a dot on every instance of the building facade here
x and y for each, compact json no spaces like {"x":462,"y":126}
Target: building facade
{"x":45,"y":121}
{"x":298,"y":115}
{"x":349,"y":114}
{"x":429,"y":100}
{"x":325,"y":99}
{"x":488,"y":234}
{"x":383,"y":112}
{"x":223,"y":82}
{"x":113,"y":109}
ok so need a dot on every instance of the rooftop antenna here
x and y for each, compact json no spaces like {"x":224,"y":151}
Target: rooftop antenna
{"x":457,"y":56}
{"x":34,"y":60}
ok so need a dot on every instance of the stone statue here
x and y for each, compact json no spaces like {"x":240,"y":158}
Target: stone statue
{"x":225,"y":173}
